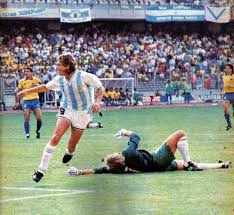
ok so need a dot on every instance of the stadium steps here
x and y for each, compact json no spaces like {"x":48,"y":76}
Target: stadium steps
{"x":151,"y":86}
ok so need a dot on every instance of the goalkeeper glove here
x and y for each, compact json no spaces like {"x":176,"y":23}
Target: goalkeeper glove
{"x":73,"y":171}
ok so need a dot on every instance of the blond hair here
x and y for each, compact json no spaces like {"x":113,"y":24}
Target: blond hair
{"x":115,"y":162}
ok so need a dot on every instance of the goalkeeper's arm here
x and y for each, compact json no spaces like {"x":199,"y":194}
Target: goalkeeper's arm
{"x":73,"y":171}
{"x":131,"y":149}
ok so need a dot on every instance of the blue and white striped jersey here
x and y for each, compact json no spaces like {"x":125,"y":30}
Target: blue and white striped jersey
{"x":78,"y":92}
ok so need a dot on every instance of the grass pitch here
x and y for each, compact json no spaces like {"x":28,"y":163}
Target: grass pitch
{"x":180,"y":192}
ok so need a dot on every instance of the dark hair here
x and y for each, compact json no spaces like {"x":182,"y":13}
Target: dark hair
{"x":230,"y":66}
{"x":68,"y":60}
{"x":28,"y":68}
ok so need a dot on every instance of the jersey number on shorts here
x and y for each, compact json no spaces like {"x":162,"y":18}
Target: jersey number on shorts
{"x":62,"y":111}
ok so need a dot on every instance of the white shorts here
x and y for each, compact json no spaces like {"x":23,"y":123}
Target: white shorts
{"x":77,"y":119}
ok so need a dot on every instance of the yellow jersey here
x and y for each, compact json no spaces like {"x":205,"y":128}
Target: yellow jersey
{"x":105,"y":94}
{"x":117,"y":95}
{"x":27,"y":84}
{"x":228,"y":83}
{"x":111,"y":94}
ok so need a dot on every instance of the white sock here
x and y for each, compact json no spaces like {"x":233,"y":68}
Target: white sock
{"x":47,"y":155}
{"x":210,"y":165}
{"x":69,"y":153}
{"x":93,"y":125}
{"x":182,"y":145}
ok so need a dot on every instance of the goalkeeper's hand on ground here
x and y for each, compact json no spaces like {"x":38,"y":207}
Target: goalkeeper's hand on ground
{"x":73,"y":171}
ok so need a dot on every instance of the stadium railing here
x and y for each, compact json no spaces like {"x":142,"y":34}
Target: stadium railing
{"x":107,"y":3}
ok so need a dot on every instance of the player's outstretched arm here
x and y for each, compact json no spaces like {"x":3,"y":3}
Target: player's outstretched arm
{"x":73,"y":171}
{"x":37,"y":89}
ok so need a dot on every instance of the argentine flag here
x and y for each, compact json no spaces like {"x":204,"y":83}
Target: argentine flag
{"x":75,"y":15}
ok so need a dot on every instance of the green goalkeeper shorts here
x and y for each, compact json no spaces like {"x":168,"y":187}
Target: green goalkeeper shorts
{"x":164,"y":158}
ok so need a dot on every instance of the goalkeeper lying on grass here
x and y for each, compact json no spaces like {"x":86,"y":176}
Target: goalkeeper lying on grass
{"x":163,"y":159}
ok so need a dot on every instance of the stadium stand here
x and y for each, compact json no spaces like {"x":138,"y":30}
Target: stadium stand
{"x":152,"y":54}
{"x":126,"y":2}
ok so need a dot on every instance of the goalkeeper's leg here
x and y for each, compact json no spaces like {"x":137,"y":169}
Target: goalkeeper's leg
{"x":220,"y":165}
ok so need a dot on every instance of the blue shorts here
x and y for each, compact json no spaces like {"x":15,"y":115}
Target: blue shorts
{"x":229,"y":96}
{"x":31,"y":104}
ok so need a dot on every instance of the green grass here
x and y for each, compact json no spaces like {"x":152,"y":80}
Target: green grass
{"x":182,"y":193}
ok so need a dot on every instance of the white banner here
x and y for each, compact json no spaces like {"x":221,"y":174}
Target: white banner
{"x":217,"y":14}
{"x":12,"y":12}
{"x":171,"y":13}
{"x":75,"y":15}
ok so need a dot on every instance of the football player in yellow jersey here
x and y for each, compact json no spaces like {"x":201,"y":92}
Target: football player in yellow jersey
{"x":228,"y":92}
{"x":117,"y":96}
{"x":106,"y":98}
{"x":111,"y":95}
{"x":30,"y":101}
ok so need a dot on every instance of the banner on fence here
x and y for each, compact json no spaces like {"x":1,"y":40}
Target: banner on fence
{"x":218,"y":14}
{"x":75,"y":15}
{"x":175,"y":13}
{"x":22,"y":12}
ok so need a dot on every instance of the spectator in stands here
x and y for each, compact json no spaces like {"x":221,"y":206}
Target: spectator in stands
{"x":207,"y":82}
{"x":187,"y":91}
{"x":123,"y":98}
{"x":2,"y":104}
{"x":117,"y":96}
{"x":177,"y":87}
{"x":169,"y":91}
{"x":158,"y":96}
{"x":151,"y":99}
{"x":106,"y":98}
{"x":111,"y":95}
{"x":116,"y":51}
{"x":128,"y":97}
{"x":137,"y":97}
{"x":142,"y":76}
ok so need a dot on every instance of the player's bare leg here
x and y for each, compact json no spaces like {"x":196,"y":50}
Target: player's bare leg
{"x":61,"y":127}
{"x":179,"y":140}
{"x":71,"y":144}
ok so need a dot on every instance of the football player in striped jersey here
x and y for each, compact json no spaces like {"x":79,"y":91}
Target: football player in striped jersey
{"x":78,"y":101}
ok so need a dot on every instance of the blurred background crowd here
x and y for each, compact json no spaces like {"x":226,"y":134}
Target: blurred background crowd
{"x":168,"y":51}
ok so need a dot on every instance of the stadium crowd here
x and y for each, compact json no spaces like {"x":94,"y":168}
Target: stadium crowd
{"x":112,"y":50}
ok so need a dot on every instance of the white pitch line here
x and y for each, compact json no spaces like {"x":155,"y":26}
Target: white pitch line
{"x":67,"y":192}
{"x":42,"y":189}
{"x":42,"y":196}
